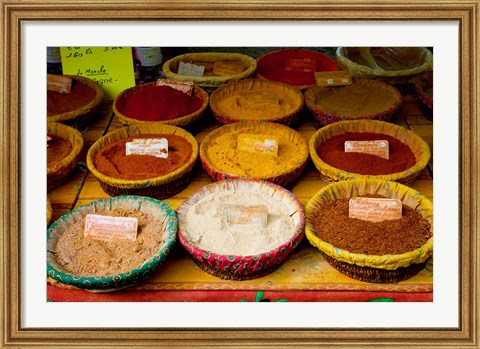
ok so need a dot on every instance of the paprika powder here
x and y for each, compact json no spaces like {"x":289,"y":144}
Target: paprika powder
{"x":158,"y":103}
{"x":112,"y":161}
{"x":332,"y":152}
{"x":79,"y":96}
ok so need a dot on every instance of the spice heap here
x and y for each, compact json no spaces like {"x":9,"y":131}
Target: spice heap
{"x":211,"y":230}
{"x":361,"y":98}
{"x":256,"y":105}
{"x":332,"y":224}
{"x":158,"y":103}
{"x":89,"y":257}
{"x":223,"y":153}
{"x":79,"y":96}
{"x":333,"y":153}
{"x":112,"y":160}
{"x":58,"y":149}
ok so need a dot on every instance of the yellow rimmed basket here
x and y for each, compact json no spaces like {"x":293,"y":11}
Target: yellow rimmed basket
{"x":330,"y":174}
{"x":85,"y":115}
{"x":390,"y":268}
{"x":285,"y":178}
{"x":161,"y":187}
{"x":288,"y":118}
{"x":209,"y":83}
{"x":190,"y":122}
{"x":49,"y":212}
{"x":57,"y":172}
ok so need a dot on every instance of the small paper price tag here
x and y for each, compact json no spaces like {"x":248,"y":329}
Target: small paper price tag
{"x":184,"y":86}
{"x":241,"y":214}
{"x":107,"y":228}
{"x":157,"y":147}
{"x":378,"y":148}
{"x":59,"y":83}
{"x":333,"y":78}
{"x":222,"y":68}
{"x":190,"y":69}
{"x":374,"y":209}
{"x":258,"y":143}
{"x":306,"y":65}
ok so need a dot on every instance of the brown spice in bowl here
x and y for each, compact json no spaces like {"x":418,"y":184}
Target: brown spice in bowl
{"x":79,"y":96}
{"x":58,"y":149}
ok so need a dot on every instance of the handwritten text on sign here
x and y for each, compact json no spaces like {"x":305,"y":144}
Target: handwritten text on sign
{"x":111,"y":67}
{"x":377,"y":148}
{"x":110,"y":228}
{"x":374,"y":209}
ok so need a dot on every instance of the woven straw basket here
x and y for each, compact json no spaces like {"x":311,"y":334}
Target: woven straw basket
{"x":322,"y":116}
{"x":138,"y":274}
{"x":84,"y":115}
{"x":285,"y":178}
{"x":279,"y":89}
{"x":234,"y":267}
{"x":372,"y":268}
{"x":58,"y":172}
{"x":209,"y":83}
{"x":190,"y":122}
{"x":160,"y":187}
{"x":330,"y":174}
{"x":49,"y":212}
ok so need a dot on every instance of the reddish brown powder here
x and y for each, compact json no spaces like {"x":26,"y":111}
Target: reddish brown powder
{"x":58,"y":149}
{"x":59,"y":103}
{"x":333,"y":225}
{"x":332,"y":152}
{"x":112,"y":161}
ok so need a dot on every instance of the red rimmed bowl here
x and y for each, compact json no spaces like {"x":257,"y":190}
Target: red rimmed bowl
{"x":324,"y":113}
{"x":231,"y":265}
{"x":424,"y":87}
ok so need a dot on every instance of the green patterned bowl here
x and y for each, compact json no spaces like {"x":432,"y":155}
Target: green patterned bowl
{"x":116,"y":281}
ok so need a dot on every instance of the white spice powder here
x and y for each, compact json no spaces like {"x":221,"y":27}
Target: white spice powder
{"x":210,"y":230}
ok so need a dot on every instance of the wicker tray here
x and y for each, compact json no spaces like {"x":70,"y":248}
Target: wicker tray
{"x":235,"y":267}
{"x":289,"y":118}
{"x":321,"y":116}
{"x":117,"y":281}
{"x":160,"y":187}
{"x":372,"y":268}
{"x":284,"y":179}
{"x":330,"y":174}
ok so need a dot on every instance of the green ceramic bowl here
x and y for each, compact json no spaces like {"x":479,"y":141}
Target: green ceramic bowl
{"x":116,"y":281}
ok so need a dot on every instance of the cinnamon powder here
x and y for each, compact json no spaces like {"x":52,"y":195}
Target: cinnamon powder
{"x":79,"y":96}
{"x":58,"y":149}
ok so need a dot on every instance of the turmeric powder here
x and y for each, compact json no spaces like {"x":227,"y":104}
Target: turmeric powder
{"x":222,"y":152}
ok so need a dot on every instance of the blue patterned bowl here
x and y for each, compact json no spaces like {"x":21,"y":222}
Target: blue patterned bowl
{"x":117,"y":281}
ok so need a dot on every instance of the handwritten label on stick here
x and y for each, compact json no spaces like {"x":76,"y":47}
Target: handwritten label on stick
{"x":374,"y":209}
{"x":258,"y":143}
{"x":108,"y":228}
{"x":244,"y":214}
{"x":378,"y":148}
{"x":111,"y":67}
{"x":157,"y":147}
{"x":184,"y":86}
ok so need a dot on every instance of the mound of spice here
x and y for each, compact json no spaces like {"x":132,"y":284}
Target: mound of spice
{"x":158,"y":103}
{"x":83,"y":256}
{"x":79,"y":96}
{"x":332,"y":152}
{"x":223,"y":154}
{"x":58,"y":149}
{"x":361,"y":98}
{"x":333,"y":225}
{"x":112,"y":160}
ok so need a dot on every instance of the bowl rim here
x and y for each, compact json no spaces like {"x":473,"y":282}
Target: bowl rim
{"x":93,"y":282}
{"x":77,"y":147}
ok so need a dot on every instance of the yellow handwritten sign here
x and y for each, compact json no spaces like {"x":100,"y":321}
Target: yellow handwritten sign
{"x":111,"y":67}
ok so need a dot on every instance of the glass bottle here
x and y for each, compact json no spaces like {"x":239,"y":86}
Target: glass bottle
{"x":54,"y":61}
{"x":148,"y":64}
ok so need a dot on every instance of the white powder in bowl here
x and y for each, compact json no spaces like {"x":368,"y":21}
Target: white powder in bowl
{"x":211,"y":231}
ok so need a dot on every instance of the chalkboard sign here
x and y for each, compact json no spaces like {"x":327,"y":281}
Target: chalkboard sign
{"x":111,"y":67}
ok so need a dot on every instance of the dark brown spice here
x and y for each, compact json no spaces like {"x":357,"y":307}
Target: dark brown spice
{"x":79,"y":96}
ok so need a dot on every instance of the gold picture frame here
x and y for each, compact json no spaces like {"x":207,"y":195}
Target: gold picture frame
{"x":14,"y":12}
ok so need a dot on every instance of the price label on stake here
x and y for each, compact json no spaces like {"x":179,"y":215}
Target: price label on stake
{"x":258,"y":143}
{"x":378,"y":148}
{"x":157,"y":147}
{"x":59,"y":83}
{"x":333,"y":78}
{"x":242,"y":214}
{"x":109,"y":228}
{"x":190,"y":69}
{"x":184,"y":86}
{"x":374,"y":209}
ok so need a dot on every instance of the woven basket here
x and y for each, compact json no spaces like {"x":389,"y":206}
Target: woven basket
{"x":284,"y":178}
{"x":400,"y":64}
{"x":330,"y":174}
{"x":286,"y":117}
{"x":49,"y":212}
{"x":235,"y":267}
{"x":117,"y":281}
{"x":57,"y":172}
{"x":160,"y":187}
{"x":189,"y":122}
{"x":372,"y":268}
{"x":423,"y":83}
{"x":82,"y":116}
{"x":322,"y":116}
{"x":272,"y":62}
{"x":209,"y":83}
